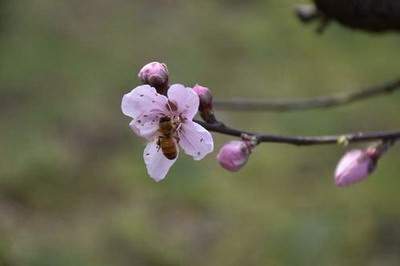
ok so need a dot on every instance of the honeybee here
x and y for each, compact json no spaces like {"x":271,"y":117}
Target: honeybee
{"x":166,"y":141}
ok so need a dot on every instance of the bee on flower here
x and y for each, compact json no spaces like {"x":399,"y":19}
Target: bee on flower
{"x":167,"y":124}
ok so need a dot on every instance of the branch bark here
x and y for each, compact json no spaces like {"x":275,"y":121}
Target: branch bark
{"x":367,"y":15}
{"x":241,"y":104}
{"x":221,"y":128}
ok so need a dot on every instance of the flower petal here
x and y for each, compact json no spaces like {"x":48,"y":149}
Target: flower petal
{"x":145,"y":128}
{"x":195,"y":140}
{"x":146,"y":107}
{"x":143,"y":100}
{"x":156,"y":163}
{"x":186,"y":100}
{"x":134,"y":128}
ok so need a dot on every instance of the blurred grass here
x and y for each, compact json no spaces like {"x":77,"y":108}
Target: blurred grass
{"x":73,"y":187}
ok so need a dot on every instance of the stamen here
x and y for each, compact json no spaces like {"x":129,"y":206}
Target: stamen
{"x":172,"y":106}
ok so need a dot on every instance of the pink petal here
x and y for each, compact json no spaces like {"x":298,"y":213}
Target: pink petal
{"x":186,"y":100}
{"x":134,"y":128}
{"x":143,"y":100}
{"x":147,"y":129}
{"x":195,"y":140}
{"x":146,"y":107}
{"x":156,"y":163}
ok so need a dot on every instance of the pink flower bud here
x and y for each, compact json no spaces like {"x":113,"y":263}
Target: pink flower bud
{"x":206,"y":103}
{"x":206,"y":99}
{"x":156,"y":75}
{"x":234,"y":155}
{"x":355,"y":166}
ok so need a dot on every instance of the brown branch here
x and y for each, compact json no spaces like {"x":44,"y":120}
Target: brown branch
{"x":240,"y":104}
{"x":367,"y":15}
{"x":304,"y":140}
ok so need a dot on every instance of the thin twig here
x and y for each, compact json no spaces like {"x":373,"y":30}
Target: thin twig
{"x":241,"y":104}
{"x":304,"y":140}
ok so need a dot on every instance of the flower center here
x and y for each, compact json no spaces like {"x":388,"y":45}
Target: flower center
{"x":176,"y":121}
{"x":169,"y":125}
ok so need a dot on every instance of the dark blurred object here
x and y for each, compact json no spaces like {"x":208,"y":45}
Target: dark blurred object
{"x":307,"y":13}
{"x":368,"y":15}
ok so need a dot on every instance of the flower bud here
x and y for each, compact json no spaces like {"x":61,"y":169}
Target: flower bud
{"x":234,"y":155}
{"x":206,"y":103}
{"x":156,"y":75}
{"x":355,"y":166}
{"x":206,"y":99}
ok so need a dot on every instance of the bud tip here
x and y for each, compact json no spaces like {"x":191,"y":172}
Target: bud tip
{"x":355,"y":166}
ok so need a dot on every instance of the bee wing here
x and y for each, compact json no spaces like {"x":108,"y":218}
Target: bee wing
{"x":156,"y":163}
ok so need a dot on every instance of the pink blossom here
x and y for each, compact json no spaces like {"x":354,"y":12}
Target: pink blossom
{"x":234,"y":155}
{"x":147,"y":107}
{"x":354,"y":167}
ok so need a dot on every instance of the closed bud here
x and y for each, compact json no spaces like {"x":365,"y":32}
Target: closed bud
{"x":355,"y":166}
{"x":156,"y":75}
{"x":206,"y":103}
{"x":234,"y":154}
{"x":206,"y":99}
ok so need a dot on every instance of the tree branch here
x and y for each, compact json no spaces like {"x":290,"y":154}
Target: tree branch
{"x":304,"y":140}
{"x":367,"y":15}
{"x":241,"y":104}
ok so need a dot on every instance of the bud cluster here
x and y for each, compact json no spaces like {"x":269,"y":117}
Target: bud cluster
{"x":355,"y":166}
{"x":156,"y":75}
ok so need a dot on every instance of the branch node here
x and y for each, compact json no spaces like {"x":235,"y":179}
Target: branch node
{"x":343,"y":141}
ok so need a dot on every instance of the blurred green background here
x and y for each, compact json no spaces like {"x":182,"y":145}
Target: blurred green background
{"x":73,"y":185}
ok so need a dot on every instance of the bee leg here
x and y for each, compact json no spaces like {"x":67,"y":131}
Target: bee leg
{"x":177,"y":139}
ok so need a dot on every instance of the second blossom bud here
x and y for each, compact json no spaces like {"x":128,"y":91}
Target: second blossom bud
{"x":206,"y":103}
{"x":234,"y":154}
{"x":156,"y":75}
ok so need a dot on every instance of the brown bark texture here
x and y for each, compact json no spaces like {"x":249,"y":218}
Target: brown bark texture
{"x":369,"y":15}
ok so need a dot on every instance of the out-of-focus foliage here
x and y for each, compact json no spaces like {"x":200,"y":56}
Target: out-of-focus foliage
{"x":73,"y":186}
